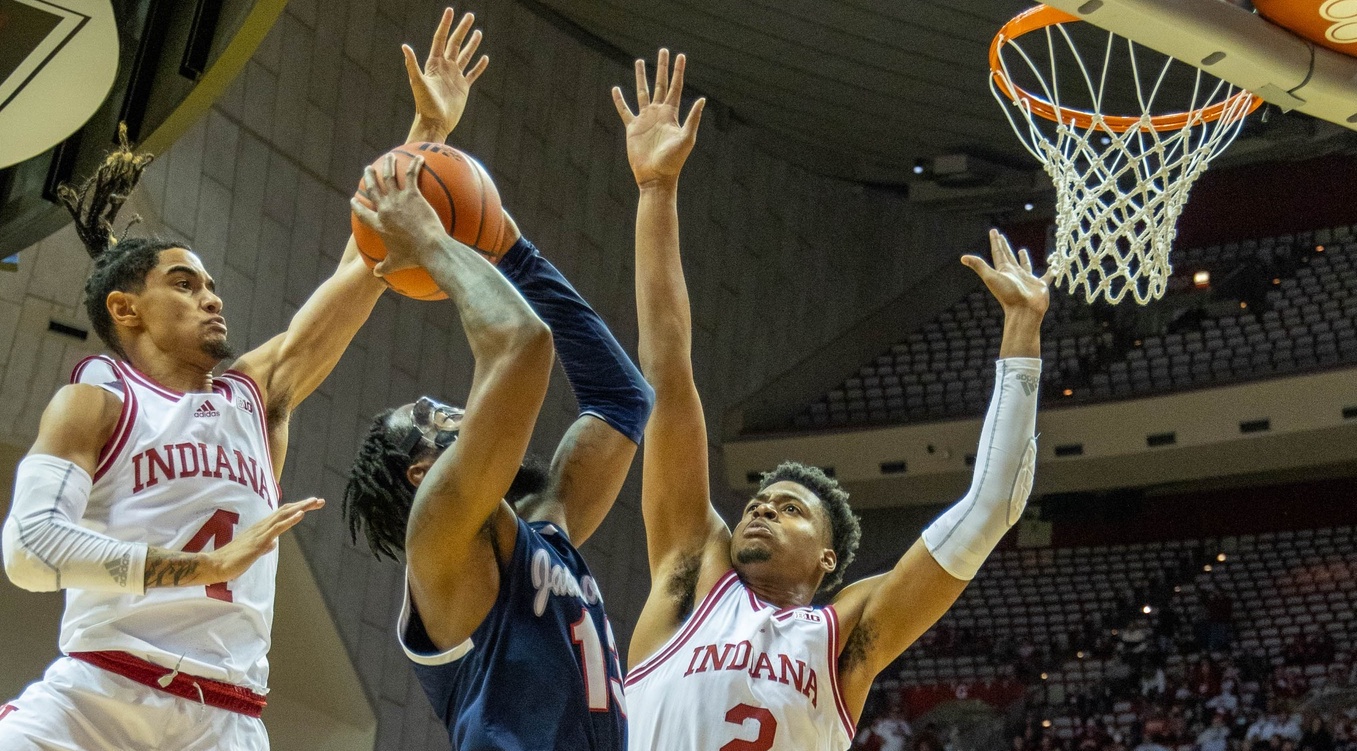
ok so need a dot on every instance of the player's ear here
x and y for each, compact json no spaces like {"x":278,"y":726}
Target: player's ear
{"x":829,"y":560}
{"x":416,"y":471}
{"x":122,"y":308}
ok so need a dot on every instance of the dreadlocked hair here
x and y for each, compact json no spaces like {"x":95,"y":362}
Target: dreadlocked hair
{"x":845,"y":532}
{"x":120,"y":263}
{"x":378,"y":496}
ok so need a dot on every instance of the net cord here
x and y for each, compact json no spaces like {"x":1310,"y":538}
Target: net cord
{"x":1113,"y":240}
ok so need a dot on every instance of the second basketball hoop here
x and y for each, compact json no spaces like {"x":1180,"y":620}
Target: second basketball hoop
{"x":1082,"y":101}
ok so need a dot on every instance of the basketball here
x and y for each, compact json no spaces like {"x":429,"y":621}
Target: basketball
{"x":466,"y":201}
{"x":1331,"y":23}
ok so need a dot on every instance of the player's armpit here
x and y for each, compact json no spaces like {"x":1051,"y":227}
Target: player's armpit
{"x":677,"y":586}
{"x":882,"y":616}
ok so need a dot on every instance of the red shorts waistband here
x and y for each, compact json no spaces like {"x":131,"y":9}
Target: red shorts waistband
{"x":217,"y":694}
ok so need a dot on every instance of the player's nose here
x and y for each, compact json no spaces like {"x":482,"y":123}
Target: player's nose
{"x":765,"y":511}
{"x":212,"y":303}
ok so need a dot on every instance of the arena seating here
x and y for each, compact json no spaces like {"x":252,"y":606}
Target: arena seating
{"x":1268,"y":307}
{"x":1072,"y":623}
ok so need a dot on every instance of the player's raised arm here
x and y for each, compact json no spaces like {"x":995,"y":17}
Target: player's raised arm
{"x":680,"y":522}
{"x":592,"y":459}
{"x":513,"y":354}
{"x":674,"y":496}
{"x":293,"y":364}
{"x":883,"y":615}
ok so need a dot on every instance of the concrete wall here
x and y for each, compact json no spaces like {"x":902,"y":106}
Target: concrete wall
{"x":778,"y":261}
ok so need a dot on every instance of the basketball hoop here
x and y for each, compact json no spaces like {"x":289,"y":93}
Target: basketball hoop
{"x":1121,"y":181}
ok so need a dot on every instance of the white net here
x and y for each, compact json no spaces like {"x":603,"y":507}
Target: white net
{"x":1121,"y":181}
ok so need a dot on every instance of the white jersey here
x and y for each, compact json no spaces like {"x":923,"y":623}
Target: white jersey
{"x":742,"y":674}
{"x":181,"y":472}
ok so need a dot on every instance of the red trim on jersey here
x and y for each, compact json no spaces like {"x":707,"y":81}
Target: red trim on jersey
{"x":146,"y":381}
{"x":80,"y":366}
{"x":127,"y":417}
{"x":127,"y":420}
{"x":844,"y":715}
{"x":223,"y":387}
{"x":694,"y":621}
{"x":217,"y":694}
{"x":260,"y":414}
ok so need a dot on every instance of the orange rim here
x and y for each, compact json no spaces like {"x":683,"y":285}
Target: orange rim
{"x":1043,"y":16}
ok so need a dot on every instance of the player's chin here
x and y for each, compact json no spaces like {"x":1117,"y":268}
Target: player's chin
{"x":753,"y":551}
{"x":217,"y":347}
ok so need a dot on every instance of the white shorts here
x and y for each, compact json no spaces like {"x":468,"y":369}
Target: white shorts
{"x":78,"y":707}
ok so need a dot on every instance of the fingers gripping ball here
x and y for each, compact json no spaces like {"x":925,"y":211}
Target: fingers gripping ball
{"x":465,"y":199}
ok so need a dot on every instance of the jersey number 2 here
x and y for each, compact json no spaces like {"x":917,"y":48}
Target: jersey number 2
{"x":596,"y":681}
{"x":219,"y":530}
{"x":767,"y":724}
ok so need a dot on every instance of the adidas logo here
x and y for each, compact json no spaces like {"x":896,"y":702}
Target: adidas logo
{"x":1029,"y":383}
{"x":118,"y":568}
{"x":206,"y":410}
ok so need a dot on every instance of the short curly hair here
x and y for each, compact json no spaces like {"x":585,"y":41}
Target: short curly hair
{"x":845,"y":531}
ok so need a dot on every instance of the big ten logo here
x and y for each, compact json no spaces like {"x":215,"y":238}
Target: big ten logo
{"x":1342,"y":18}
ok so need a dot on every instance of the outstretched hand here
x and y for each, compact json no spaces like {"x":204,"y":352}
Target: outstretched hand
{"x":1011,"y":279}
{"x":442,"y":87}
{"x":390,"y":203}
{"x":657,"y":145}
{"x":234,"y":558}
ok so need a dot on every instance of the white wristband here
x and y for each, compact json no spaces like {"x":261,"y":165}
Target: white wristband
{"x":963,"y":537}
{"x":46,"y":549}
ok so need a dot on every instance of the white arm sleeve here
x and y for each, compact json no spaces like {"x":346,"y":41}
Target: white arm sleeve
{"x":963,"y":537}
{"x":46,"y":549}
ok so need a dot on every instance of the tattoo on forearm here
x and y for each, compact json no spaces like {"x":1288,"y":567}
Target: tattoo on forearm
{"x":170,"y":570}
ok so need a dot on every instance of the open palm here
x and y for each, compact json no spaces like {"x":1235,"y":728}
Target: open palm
{"x":1011,"y":279}
{"x":442,"y":87}
{"x":657,"y":145}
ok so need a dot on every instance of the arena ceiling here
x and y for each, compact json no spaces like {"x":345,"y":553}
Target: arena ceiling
{"x":863,"y":89}
{"x":854,"y":88}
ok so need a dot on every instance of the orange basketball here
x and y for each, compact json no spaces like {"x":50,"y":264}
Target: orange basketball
{"x":1331,"y":23}
{"x":465,"y":198}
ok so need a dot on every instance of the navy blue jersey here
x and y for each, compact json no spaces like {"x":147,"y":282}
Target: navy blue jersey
{"x":541,"y":671}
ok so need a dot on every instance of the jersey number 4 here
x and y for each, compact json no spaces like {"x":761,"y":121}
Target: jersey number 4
{"x":218,"y":530}
{"x":763,"y":719}
{"x":597,"y":684}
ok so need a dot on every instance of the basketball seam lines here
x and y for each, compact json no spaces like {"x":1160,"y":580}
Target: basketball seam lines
{"x":480,"y":185}
{"x":452,"y":207}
